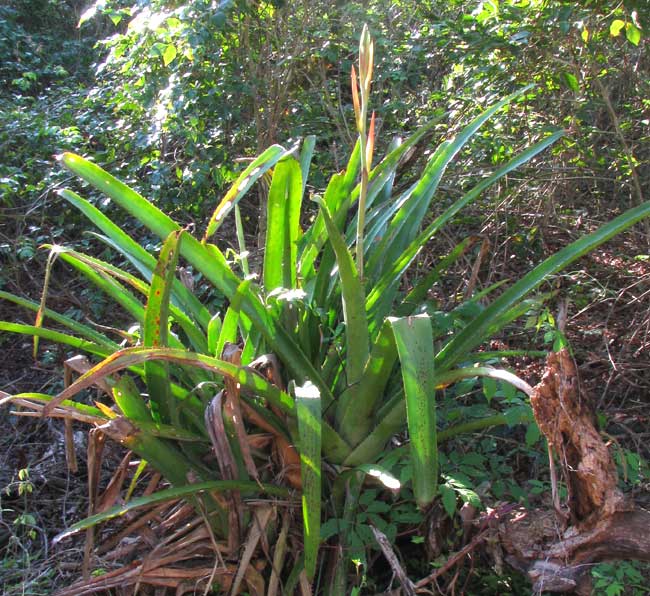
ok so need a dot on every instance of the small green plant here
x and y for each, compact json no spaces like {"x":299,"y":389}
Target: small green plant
{"x":622,"y":577}
{"x":363,"y":355}
{"x":22,"y":553}
{"x":24,"y":523}
{"x":633,"y":469}
{"x":544,"y":322}
{"x":24,"y":484}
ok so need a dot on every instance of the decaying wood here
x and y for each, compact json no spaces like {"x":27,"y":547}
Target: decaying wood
{"x":566,"y":419}
{"x":557,"y":551}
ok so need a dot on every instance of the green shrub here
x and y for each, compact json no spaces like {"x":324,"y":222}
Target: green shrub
{"x":362,"y":351}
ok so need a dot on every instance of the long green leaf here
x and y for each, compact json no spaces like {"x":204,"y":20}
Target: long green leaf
{"x":128,"y":399}
{"x":138,"y":256}
{"x":241,"y":241}
{"x":57,"y":337}
{"x":104,"y":282}
{"x":414,"y":340}
{"x":455,"y":375}
{"x":87,"y":332}
{"x":356,"y":328}
{"x":381,"y":297}
{"x":308,"y":409}
{"x":380,"y":181}
{"x":180,"y":299}
{"x":90,"y":411}
{"x":247,"y":178}
{"x":207,"y":259}
{"x":155,"y":330}
{"x":475,"y":332}
{"x":338,"y":190}
{"x":375,"y":231}
{"x":407,"y":221}
{"x":386,"y":190}
{"x":283,"y":226}
{"x":235,"y":320}
{"x":418,"y":293}
{"x":228,"y":331}
{"x":131,"y":356}
{"x":214,"y":332}
{"x":317,"y":283}
{"x":306,"y":153}
{"x":377,"y":235}
{"x":87,"y":264}
{"x":355,"y":409}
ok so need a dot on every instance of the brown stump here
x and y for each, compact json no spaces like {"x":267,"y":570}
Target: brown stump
{"x":557,"y":548}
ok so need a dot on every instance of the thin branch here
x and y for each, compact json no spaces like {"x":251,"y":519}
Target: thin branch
{"x":453,"y":560}
{"x":626,"y":148}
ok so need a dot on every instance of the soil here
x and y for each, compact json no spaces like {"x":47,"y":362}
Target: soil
{"x":52,"y":497}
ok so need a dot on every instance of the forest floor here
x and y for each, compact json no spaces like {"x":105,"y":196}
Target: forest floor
{"x":608,"y":327}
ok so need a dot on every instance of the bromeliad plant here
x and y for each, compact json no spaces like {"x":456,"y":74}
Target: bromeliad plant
{"x":361,"y":356}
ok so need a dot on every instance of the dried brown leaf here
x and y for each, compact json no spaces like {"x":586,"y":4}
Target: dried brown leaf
{"x":232,"y":409}
{"x":112,"y":492}
{"x":261,"y":517}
